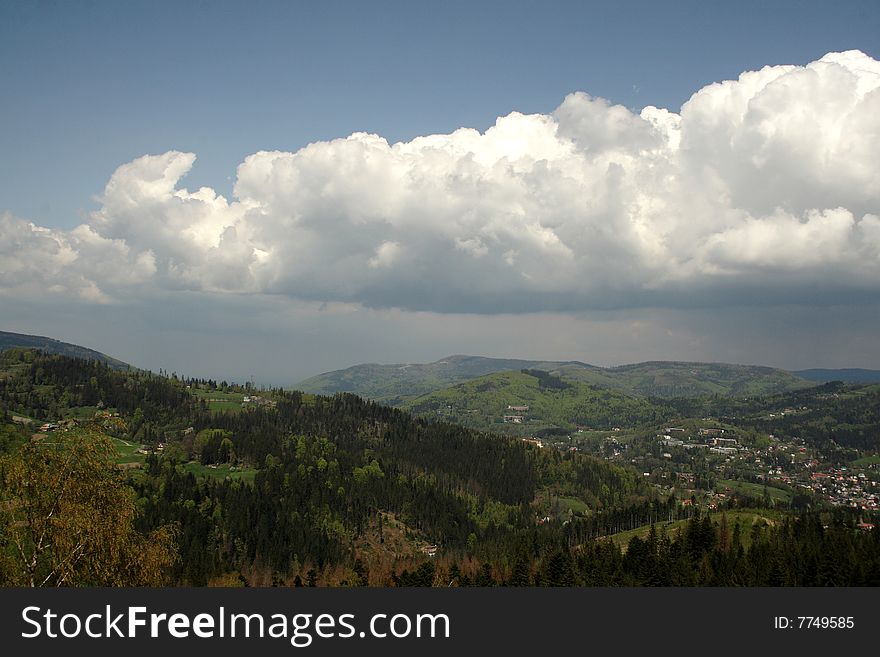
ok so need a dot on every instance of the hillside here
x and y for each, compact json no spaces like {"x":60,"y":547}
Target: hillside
{"x":289,"y":500}
{"x":683,"y":379}
{"x":281,"y":488}
{"x":399,"y":384}
{"x":530,"y":401}
{"x":56,"y":347}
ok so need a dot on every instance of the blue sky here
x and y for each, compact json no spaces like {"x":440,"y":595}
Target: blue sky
{"x":90,"y":85}
{"x":743,"y":225}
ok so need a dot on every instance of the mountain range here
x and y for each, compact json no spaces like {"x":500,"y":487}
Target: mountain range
{"x":401,"y":384}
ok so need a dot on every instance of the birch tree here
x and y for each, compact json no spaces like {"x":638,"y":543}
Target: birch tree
{"x":67,"y":518}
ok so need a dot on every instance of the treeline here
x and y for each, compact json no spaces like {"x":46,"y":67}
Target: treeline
{"x":547,"y":381}
{"x":46,"y":386}
{"x":798,"y":551}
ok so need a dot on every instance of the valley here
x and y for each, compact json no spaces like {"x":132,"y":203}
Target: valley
{"x":523,"y":476}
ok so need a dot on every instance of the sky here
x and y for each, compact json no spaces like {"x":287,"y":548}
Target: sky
{"x":276,"y":189}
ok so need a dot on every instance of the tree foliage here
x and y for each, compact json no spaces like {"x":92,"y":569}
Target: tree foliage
{"x":67,"y":518}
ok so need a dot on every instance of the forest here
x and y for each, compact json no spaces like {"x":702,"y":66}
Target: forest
{"x":291,"y":489}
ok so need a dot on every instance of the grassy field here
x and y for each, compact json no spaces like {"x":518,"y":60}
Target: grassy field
{"x":755,"y":490}
{"x":127,"y":457}
{"x":866,"y":461}
{"x":220,"y":472}
{"x":566,"y":503}
{"x":746,"y":518}
{"x":84,"y":412}
{"x":218,"y":400}
{"x":127,"y":452}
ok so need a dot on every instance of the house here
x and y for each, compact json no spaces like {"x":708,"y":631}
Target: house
{"x":518,"y":409}
{"x":513,"y":419}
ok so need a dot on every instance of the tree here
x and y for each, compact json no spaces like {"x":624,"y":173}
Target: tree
{"x":724,"y":535}
{"x":67,"y":519}
{"x":521,"y":575}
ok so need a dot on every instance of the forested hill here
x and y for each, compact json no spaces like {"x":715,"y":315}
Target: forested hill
{"x":227,"y":485}
{"x":684,"y":379}
{"x":400,"y":384}
{"x":530,"y":402}
{"x":397,"y":384}
{"x":52,"y":346}
{"x":276,"y":482}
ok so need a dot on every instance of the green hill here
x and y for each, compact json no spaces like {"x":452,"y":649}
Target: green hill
{"x":337,"y":491}
{"x":398,"y":384}
{"x":530,"y":401}
{"x":56,"y":347}
{"x":682,"y":379}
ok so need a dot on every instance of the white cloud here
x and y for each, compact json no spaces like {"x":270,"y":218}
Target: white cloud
{"x":36,"y":262}
{"x":766,"y":183}
{"x":783,"y":241}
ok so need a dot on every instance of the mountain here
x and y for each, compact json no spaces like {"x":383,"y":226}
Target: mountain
{"x":847,"y":375}
{"x":56,"y":347}
{"x":683,"y":379}
{"x":533,"y":401}
{"x":284,"y":489}
{"x":398,"y":384}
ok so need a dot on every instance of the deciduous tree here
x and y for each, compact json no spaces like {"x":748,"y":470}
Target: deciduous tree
{"x":67,"y":518}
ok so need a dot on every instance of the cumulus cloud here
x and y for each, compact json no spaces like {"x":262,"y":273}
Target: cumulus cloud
{"x":767,"y":183}
{"x":82,"y":264}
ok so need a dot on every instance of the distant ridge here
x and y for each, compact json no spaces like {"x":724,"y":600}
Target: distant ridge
{"x":847,"y":375}
{"x":401,"y":383}
{"x":397,"y":383}
{"x":52,"y":346}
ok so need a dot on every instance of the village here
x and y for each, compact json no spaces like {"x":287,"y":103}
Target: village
{"x":778,"y":471}
{"x":707,"y":462}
